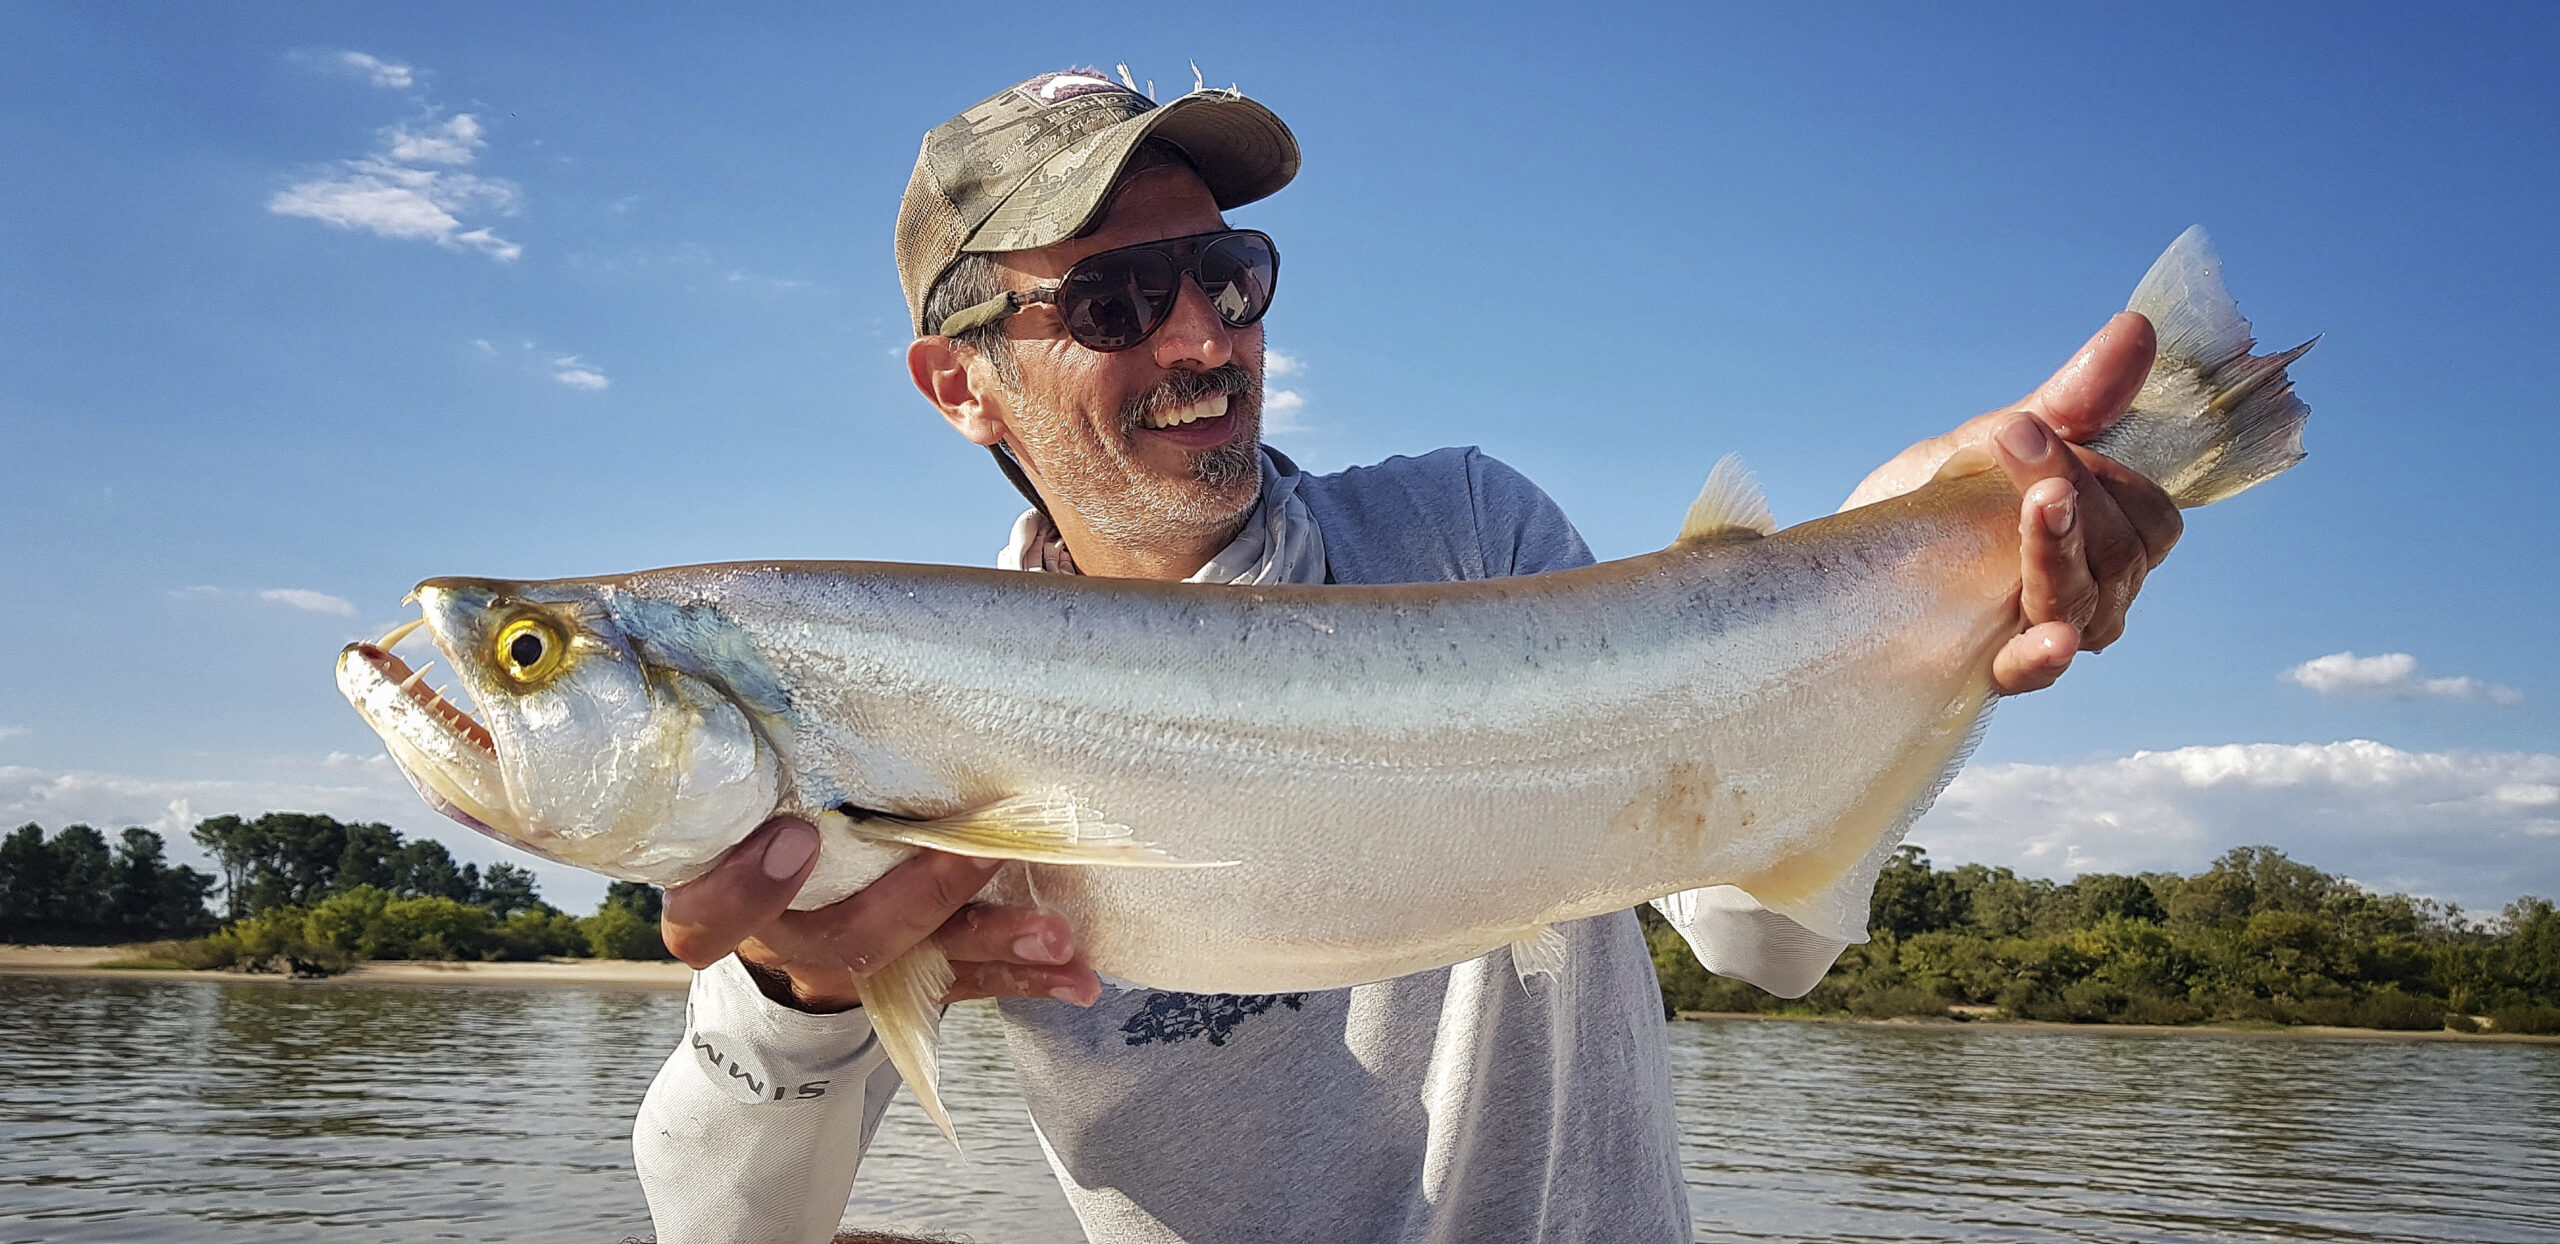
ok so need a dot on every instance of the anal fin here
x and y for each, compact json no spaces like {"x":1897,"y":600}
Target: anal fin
{"x":904,"y":1002}
{"x":1031,"y":828}
{"x":1538,"y":951}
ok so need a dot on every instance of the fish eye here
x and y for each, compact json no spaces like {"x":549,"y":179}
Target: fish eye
{"x":529,"y":651}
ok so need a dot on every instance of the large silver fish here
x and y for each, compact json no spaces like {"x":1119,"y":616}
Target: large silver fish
{"x":1259,"y":789}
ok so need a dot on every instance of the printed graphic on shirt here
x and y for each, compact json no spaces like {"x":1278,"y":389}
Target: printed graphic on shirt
{"x":1172,"y":1017}
{"x":717,"y":1057}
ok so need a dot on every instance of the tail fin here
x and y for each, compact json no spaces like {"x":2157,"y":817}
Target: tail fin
{"x":2212,"y":419}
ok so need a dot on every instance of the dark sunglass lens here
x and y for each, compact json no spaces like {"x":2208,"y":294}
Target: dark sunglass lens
{"x":1237,"y":272}
{"x":1111,"y":301}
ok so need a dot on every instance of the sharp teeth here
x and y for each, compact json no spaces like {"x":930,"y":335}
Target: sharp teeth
{"x":398,"y":633}
{"x":411,"y":684}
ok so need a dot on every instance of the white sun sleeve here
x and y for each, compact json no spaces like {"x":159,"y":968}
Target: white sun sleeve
{"x":756,"y":1124}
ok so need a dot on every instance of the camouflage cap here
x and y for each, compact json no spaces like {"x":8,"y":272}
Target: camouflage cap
{"x":1034,"y":163}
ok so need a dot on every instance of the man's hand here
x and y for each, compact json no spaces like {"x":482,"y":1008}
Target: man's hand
{"x":2088,"y":529}
{"x":743,"y":904}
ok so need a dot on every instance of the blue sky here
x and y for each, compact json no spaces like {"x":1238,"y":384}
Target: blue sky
{"x":299,"y":305}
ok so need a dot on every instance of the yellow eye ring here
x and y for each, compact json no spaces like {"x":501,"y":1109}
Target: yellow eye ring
{"x":529,"y":651}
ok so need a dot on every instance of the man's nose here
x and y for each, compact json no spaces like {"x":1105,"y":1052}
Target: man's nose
{"x":1193,"y":336}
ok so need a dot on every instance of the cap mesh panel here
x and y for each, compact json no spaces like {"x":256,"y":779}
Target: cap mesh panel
{"x":929,"y":238}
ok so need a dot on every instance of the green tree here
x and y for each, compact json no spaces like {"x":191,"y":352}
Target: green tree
{"x":625,"y":925}
{"x":426,"y":870}
{"x":26,"y":877}
{"x":507,"y":889}
{"x":645,"y":901}
{"x":1912,"y":898}
{"x":150,"y":898}
{"x":83,"y":868}
{"x":2109,"y":895}
{"x":283,"y":859}
{"x":371,"y":857}
{"x":2531,"y":958}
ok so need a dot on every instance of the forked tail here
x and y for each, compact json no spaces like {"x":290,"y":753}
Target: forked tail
{"x":2212,"y":419}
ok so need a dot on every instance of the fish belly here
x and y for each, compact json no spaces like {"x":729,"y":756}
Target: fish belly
{"x":1406,"y":778}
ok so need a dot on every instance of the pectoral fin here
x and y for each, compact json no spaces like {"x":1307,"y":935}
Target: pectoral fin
{"x":904,"y":1002}
{"x":1540,"y":950}
{"x":1026,"y":827}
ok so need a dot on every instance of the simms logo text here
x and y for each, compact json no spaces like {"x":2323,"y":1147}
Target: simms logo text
{"x":741,"y":1081}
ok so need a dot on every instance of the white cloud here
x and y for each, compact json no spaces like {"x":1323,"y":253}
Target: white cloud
{"x":456,"y":141}
{"x":570,"y":371}
{"x":1280,"y":410}
{"x":382,"y":73}
{"x":302,"y":598}
{"x":1276,"y":363}
{"x":12,"y":732}
{"x":2477,"y":828}
{"x":311,"y":601}
{"x":411,"y":188}
{"x":2392,"y":675}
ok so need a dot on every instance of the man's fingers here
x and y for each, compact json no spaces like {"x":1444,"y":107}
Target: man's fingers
{"x":2054,"y":584}
{"x":886,"y":918}
{"x":2087,"y":394}
{"x":984,"y":931}
{"x":2155,"y":519}
{"x":2032,"y":661}
{"x":2078,"y":402}
{"x":705,"y":918}
{"x":1073,"y":982}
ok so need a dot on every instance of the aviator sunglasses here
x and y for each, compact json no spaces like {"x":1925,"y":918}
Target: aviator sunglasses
{"x":1112,"y":300}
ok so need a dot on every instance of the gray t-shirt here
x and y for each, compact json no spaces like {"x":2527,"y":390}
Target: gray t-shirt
{"x":1459,"y":1104}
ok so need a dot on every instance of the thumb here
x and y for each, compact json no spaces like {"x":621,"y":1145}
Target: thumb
{"x":2089,"y":392}
{"x":704,"y":919}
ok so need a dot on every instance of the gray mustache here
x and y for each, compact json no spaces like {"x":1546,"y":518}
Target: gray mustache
{"x":1185,"y":387}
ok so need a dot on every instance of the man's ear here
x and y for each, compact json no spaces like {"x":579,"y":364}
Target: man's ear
{"x":942,"y":372}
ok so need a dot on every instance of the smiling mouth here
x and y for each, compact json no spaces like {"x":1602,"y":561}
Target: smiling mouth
{"x":1214,"y":406}
{"x":412,"y":684}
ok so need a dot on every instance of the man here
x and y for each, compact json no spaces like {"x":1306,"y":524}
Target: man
{"x":1083,"y":309}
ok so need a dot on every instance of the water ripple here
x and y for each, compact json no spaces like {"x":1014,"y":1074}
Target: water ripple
{"x":224,"y":1111}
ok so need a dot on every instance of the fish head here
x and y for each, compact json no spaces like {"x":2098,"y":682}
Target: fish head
{"x":586,"y":747}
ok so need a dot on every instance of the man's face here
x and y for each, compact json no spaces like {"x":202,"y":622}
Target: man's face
{"x":1155,"y":445}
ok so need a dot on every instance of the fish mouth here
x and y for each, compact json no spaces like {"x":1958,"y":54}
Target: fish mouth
{"x":413,"y":684}
{"x":448,"y":756}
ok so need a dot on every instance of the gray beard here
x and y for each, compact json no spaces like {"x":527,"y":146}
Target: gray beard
{"x":1137,"y":511}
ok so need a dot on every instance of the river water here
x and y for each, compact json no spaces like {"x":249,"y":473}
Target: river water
{"x":187,"y":1110}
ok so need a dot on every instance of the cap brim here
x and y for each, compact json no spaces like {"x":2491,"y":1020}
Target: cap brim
{"x":1243,"y":152}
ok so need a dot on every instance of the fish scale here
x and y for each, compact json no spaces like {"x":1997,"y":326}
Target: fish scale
{"x":1271,"y":789}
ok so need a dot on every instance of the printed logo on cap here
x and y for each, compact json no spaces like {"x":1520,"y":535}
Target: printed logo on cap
{"x":1052,"y":89}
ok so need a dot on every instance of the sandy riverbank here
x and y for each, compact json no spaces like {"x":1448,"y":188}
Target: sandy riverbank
{"x":624,"y":973}
{"x":2297,"y":1032}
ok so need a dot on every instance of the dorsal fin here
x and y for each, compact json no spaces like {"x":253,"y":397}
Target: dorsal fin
{"x":1730,"y":507}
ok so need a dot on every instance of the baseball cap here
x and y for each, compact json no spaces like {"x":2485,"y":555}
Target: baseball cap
{"x":1034,"y":163}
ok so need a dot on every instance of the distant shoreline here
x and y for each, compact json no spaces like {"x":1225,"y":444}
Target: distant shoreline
{"x":2293,"y":1032}
{"x":85,"y":961}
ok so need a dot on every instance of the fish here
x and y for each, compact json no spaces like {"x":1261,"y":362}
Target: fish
{"x":1264,"y":789}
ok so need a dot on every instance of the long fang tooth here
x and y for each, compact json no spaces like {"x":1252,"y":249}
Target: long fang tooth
{"x":411,"y":683}
{"x":398,"y":633}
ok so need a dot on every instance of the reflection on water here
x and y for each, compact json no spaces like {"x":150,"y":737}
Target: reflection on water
{"x":191,"y":1110}
{"x":1836,"y":1132}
